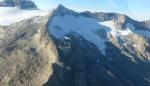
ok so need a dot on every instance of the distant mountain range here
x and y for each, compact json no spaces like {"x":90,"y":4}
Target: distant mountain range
{"x":68,"y":48}
{"x":22,"y":4}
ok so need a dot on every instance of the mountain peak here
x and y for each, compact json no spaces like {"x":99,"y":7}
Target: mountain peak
{"x":60,"y":6}
{"x":21,"y":4}
{"x":61,"y":10}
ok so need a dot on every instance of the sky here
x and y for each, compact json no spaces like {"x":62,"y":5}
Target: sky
{"x":137,"y":9}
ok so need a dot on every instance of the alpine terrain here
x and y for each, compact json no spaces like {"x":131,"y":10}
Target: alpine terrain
{"x":68,"y":48}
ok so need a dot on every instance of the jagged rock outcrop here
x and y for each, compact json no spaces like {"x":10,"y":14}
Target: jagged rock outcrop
{"x":26,"y":53}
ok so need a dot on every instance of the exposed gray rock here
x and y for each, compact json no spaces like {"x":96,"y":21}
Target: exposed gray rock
{"x":26,"y":54}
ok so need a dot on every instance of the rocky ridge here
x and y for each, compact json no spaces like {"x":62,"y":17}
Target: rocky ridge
{"x":31,"y":50}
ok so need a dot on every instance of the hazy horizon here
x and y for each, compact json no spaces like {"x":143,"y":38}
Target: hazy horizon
{"x":136,"y":9}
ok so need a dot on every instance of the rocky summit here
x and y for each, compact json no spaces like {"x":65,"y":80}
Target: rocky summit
{"x":68,"y":48}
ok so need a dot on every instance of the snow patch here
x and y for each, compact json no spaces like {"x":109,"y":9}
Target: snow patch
{"x":125,"y":32}
{"x":134,"y":45}
{"x":9,"y":15}
{"x":111,"y":27}
{"x":84,"y":26}
{"x":139,"y":32}
{"x":91,"y":29}
{"x":67,"y":38}
{"x":116,"y":32}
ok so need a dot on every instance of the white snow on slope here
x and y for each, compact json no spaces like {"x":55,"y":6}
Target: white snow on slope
{"x":141,"y":32}
{"x":125,"y":32}
{"x":116,"y":32}
{"x":81,"y":25}
{"x":9,"y":15}
{"x":111,"y":28}
{"x":91,"y":29}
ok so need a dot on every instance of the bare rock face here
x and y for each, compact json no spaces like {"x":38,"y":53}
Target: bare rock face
{"x":126,"y":61}
{"x":27,"y":55}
